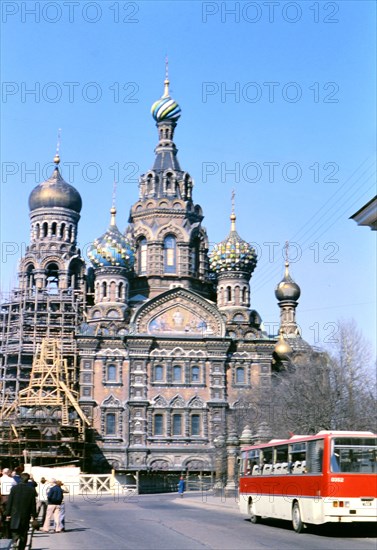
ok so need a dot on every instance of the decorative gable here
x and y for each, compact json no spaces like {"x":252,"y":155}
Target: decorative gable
{"x":178,"y":312}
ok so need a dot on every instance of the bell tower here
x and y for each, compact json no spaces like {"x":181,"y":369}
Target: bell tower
{"x":171,"y":243}
{"x":52,"y":261}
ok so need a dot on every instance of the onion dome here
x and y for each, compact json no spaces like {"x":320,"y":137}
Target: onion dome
{"x":282,"y":348}
{"x":165,"y":108}
{"x":55,"y":192}
{"x":287,"y":289}
{"x":112,"y":249}
{"x":233,"y":254}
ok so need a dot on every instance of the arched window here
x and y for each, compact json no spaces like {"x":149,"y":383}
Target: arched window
{"x":244,"y":294}
{"x":170,"y":254}
{"x":37,"y":231}
{"x":177,"y":424}
{"x":238,"y":318}
{"x":195,"y":424}
{"x":30,"y":276}
{"x":120,"y":290}
{"x":168,"y":181}
{"x":240,"y":375}
{"x":177,"y":374}
{"x":158,"y":424}
{"x":195,"y":256}
{"x":142,"y":256}
{"x":158,"y":373}
{"x":70,"y":233}
{"x":52,"y":278}
{"x":104,"y":289}
{"x":44,"y":229}
{"x":194,"y":374}
{"x":110,"y":422}
{"x":229,"y":293}
{"x":62,"y":230}
{"x":111,"y":373}
{"x":53,"y":229}
{"x":74,"y":273}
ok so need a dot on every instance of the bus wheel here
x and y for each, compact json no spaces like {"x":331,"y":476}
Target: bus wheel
{"x":297,"y":523}
{"x":253,"y":517}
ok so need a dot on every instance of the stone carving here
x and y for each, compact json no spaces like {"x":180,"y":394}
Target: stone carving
{"x":196,"y":403}
{"x":196,"y":465}
{"x":178,"y":402}
{"x":159,"y":401}
{"x":111,"y":401}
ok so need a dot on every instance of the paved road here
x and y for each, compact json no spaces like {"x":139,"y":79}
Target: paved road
{"x":167,"y":522}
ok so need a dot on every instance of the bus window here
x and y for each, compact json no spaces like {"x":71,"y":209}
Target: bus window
{"x":282,"y":453}
{"x":267,"y":455}
{"x":253,"y":462}
{"x":354,"y":455}
{"x":281,"y":465}
{"x":267,"y":458}
{"x":244,"y":463}
{"x":314,"y":457}
{"x":297,"y":455}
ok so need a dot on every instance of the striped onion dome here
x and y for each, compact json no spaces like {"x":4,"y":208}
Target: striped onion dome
{"x":233,"y":254}
{"x":112,"y":249}
{"x":165,"y":108}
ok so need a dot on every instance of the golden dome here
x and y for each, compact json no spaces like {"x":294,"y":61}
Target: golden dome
{"x":55,"y":192}
{"x":282,"y":348}
{"x":287,"y":289}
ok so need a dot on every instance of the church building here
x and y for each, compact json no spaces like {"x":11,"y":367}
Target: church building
{"x":157,"y":337}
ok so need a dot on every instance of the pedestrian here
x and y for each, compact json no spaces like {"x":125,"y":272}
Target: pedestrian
{"x":20,"y":508}
{"x":181,"y":487}
{"x":62,"y":506}
{"x":43,"y":487}
{"x":32,"y":481}
{"x":17,"y":474}
{"x":54,"y":500}
{"x":6,"y":484}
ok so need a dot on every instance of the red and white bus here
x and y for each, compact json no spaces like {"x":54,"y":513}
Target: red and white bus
{"x":327,"y":477}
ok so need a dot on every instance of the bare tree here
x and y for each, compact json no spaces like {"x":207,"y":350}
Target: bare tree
{"x":317,"y":390}
{"x":353,"y":380}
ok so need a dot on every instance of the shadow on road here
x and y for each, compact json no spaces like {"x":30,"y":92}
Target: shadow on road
{"x":345,"y":530}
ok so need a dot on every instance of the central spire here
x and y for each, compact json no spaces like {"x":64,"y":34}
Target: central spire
{"x":166,"y":112}
{"x":166,"y":108}
{"x":166,"y":82}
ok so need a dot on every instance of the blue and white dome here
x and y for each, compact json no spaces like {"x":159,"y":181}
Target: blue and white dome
{"x":112,"y":249}
{"x":165,"y":108}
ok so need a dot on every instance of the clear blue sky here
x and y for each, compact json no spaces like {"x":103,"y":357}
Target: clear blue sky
{"x":298,"y":131}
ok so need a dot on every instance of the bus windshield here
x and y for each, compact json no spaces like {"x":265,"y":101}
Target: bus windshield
{"x":354,"y":455}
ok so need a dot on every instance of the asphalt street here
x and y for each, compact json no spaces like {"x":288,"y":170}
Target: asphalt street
{"x":167,"y":522}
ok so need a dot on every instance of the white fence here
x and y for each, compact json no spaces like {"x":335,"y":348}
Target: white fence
{"x":84,"y":484}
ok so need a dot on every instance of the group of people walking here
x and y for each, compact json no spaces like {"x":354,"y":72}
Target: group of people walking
{"x":22,"y":499}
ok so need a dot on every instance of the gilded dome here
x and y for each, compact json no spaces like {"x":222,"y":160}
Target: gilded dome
{"x":287,"y":289}
{"x":55,"y":192}
{"x":282,"y":348}
{"x":165,"y":108}
{"x":112,"y":249}
{"x":233,"y":254}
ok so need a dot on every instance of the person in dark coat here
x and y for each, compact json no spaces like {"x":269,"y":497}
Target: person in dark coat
{"x":21,"y":506}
